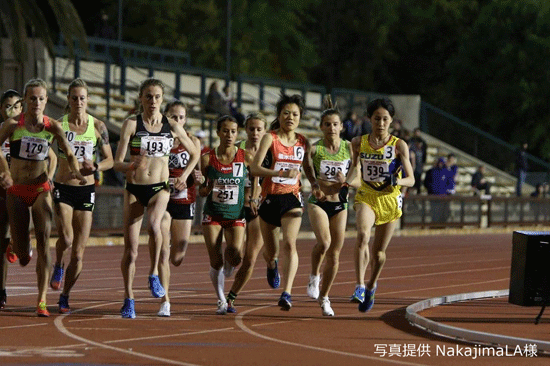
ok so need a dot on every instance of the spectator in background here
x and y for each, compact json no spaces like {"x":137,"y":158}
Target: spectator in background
{"x":437,"y":184}
{"x":215,"y":102}
{"x":397,"y":129}
{"x":354,"y":126}
{"x":452,"y":169}
{"x":228,"y":97}
{"x":418,"y":159}
{"x":521,"y":167}
{"x":104,"y":29}
{"x":479,"y":182}
{"x":539,"y":191}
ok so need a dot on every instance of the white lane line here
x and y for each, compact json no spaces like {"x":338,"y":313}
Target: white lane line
{"x":23,"y":326}
{"x":61,"y":328}
{"x":240,"y":323}
{"x":169,"y":335}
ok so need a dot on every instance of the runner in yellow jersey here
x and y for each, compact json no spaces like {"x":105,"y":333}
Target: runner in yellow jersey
{"x":382,"y":158}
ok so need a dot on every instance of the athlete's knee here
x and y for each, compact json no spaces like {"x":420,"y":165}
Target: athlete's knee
{"x":363,"y":238}
{"x":380,"y":257}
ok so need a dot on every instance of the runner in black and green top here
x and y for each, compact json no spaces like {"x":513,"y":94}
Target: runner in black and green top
{"x":331,"y":158}
{"x":225,"y":169}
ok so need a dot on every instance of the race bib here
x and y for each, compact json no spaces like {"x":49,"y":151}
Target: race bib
{"x":329,"y":169}
{"x":281,"y":165}
{"x":156,"y":146}
{"x":83,"y":150}
{"x":33,"y":148}
{"x":375,"y":171}
{"x":6,"y":150}
{"x":179,"y":160}
{"x":174,"y":193}
{"x":225,"y":194}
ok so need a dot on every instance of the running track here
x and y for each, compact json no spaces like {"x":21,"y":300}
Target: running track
{"x":418,"y":267}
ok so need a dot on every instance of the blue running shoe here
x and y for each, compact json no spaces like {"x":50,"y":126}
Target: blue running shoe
{"x":369,"y":300}
{"x":63,"y":302}
{"x":359,"y":295}
{"x":57,"y":277}
{"x":128,"y":310}
{"x":156,"y":288}
{"x":273,"y":277}
{"x":231,"y":309}
{"x":285,"y":301}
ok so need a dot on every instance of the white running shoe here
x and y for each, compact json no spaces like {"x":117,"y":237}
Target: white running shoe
{"x":313,"y":286}
{"x":164,"y":309}
{"x":222,"y":308}
{"x":325,"y":306}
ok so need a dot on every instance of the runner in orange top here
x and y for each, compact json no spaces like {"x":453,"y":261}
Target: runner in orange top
{"x":286,"y":152}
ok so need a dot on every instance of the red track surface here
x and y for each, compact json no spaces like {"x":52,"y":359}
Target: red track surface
{"x":417,"y":268}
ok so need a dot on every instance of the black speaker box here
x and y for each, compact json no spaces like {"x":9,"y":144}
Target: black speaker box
{"x":530,"y":271}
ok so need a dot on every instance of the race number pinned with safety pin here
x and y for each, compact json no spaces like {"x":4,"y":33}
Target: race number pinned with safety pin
{"x":82,"y":149}
{"x":238,"y":170}
{"x":376,"y":167}
{"x":156,"y":146}
{"x":175,"y":193}
{"x":330,"y":169}
{"x":33,"y":148}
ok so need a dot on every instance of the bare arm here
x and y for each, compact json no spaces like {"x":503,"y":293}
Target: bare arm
{"x":309,"y":172}
{"x":52,"y":164}
{"x":353,"y":176}
{"x":207,"y":185}
{"x":128,"y":129}
{"x":5,"y":176}
{"x":403,"y":154}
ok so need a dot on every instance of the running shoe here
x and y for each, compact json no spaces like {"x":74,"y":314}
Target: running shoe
{"x":128,"y":310}
{"x":325,"y":307}
{"x":10,"y":254}
{"x":227,"y":269}
{"x":285,"y":301}
{"x":369,"y":300}
{"x":164,"y":309}
{"x":273,"y":277}
{"x":42,"y":310}
{"x":3,"y":298}
{"x":231,"y":307}
{"x":156,"y":288}
{"x":63,"y":302}
{"x":358,"y":295}
{"x":313,"y":286}
{"x":222,"y":308}
{"x":57,"y":277}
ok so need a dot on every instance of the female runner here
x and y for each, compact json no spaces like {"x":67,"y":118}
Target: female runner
{"x":75,"y":203}
{"x":378,"y":200}
{"x":10,"y":106}
{"x":282,"y":204}
{"x":255,"y":126}
{"x":150,"y":136}
{"x":331,"y":158}
{"x":225,"y":169}
{"x":27,"y":181}
{"x":177,"y":222}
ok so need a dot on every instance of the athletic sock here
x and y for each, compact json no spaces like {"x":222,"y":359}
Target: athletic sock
{"x":231,"y":296}
{"x":218,"y":280}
